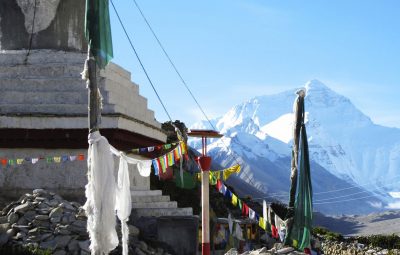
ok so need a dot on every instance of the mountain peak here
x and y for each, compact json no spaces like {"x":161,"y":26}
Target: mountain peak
{"x":316,"y":85}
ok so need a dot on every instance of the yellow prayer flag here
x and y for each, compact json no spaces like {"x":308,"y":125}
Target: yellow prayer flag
{"x":261,"y":223}
{"x":227,"y":172}
{"x":234,"y":199}
{"x":19,"y":161}
{"x":57,"y":159}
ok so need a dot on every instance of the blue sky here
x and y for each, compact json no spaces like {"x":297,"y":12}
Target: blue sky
{"x":229,"y":51}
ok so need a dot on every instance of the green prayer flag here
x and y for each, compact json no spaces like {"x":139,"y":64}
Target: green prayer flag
{"x":300,"y":232}
{"x":98,"y":31}
{"x":189,"y":180}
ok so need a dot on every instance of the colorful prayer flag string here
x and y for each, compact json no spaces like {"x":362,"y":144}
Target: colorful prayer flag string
{"x":156,"y":148}
{"x":49,"y":159}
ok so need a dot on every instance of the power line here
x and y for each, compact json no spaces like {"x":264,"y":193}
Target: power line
{"x":353,"y":186}
{"x":337,"y":190}
{"x":171,"y":62}
{"x":352,"y":194}
{"x":278,"y":195}
{"x":140,"y":62}
{"x":182,"y":80}
{"x":346,"y":200}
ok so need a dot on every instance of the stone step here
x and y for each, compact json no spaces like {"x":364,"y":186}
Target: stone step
{"x":142,"y":193}
{"x":56,"y":109}
{"x":41,"y":70}
{"x":42,"y":97}
{"x":69,"y":84}
{"x":149,"y":199}
{"x":155,"y":205}
{"x":144,"y":212}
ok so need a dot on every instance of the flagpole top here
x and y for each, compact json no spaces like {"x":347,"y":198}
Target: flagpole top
{"x":301,"y":92}
{"x":204,"y":133}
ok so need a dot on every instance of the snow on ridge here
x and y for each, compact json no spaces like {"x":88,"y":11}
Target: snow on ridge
{"x":342,"y":139}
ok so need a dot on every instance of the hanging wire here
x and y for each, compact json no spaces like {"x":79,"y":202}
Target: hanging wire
{"x":185,"y":84}
{"x":352,"y":187}
{"x":341,"y":201}
{"x":352,"y":194}
{"x":31,"y":35}
{"x":331,"y":198}
{"x":140,"y":62}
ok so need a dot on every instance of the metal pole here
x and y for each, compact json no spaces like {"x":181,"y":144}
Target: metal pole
{"x":94,"y":111}
{"x":205,"y":206}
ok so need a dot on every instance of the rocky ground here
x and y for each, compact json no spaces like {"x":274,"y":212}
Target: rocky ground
{"x":354,"y":248}
{"x":45,"y":220}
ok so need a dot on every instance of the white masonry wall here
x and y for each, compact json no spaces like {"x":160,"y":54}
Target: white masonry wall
{"x":48,"y":92}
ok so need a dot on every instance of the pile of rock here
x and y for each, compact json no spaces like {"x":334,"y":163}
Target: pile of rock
{"x":354,"y":248}
{"x":45,"y":220}
{"x":264,"y":251}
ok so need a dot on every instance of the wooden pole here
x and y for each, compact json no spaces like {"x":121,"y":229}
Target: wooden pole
{"x":94,"y":111}
{"x":205,"y":205}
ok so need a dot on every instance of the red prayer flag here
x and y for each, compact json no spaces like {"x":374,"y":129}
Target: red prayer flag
{"x":4,"y":161}
{"x":219,"y":185}
{"x":81,"y":157}
{"x":245,"y":210}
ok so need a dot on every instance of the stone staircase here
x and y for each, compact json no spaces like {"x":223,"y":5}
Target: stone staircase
{"x":152,"y":203}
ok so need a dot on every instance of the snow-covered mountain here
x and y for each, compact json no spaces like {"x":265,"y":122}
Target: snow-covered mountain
{"x":353,"y":160}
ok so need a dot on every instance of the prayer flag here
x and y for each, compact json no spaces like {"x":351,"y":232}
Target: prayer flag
{"x":34,"y":160}
{"x":223,"y":189}
{"x":57,"y":159}
{"x":135,"y":151}
{"x":252,"y":214}
{"x":155,"y":166}
{"x":162,"y":162}
{"x":261,"y":223}
{"x":49,"y":159}
{"x":234,"y":199}
{"x":170,"y":156}
{"x":4,"y":161}
{"x":19,"y":161}
{"x":98,"y":31}
{"x":72,"y":158}
{"x":245,"y":210}
{"x":227,"y":172}
{"x":183,"y":147}
{"x":176,"y":154}
{"x":143,"y":150}
{"x":299,"y":231}
{"x":81,"y":157}
{"x":219,"y":185}
{"x":64,"y":158}
{"x":167,"y":146}
{"x":150,"y":149}
{"x":228,"y":193}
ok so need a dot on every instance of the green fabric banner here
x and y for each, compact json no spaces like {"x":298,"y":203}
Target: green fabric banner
{"x":300,"y":232}
{"x":189,"y":180}
{"x":98,"y":31}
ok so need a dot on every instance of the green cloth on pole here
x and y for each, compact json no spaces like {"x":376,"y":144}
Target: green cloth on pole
{"x":98,"y":31}
{"x":300,"y":232}
{"x":189,"y":180}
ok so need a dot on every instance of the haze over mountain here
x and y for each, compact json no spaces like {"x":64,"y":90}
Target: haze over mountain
{"x":354,"y":163}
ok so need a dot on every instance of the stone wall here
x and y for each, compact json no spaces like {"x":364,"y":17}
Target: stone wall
{"x":68,"y":178}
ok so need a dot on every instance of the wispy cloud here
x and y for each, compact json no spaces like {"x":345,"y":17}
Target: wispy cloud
{"x":394,"y":205}
{"x":377,"y":205}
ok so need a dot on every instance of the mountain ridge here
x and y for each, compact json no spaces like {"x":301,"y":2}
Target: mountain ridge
{"x":343,"y":141}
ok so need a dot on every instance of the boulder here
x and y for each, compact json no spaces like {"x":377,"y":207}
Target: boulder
{"x":23,"y":208}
